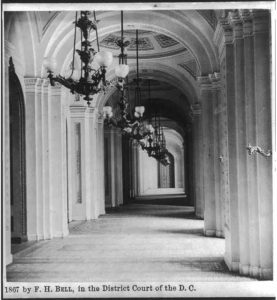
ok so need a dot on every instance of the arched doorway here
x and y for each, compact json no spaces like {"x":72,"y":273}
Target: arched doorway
{"x":166,"y":178}
{"x":17,"y":158}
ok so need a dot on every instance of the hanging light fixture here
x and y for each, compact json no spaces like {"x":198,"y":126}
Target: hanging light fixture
{"x":88,"y":81}
{"x":122,"y":69}
{"x":154,"y":143}
{"x":131,"y":123}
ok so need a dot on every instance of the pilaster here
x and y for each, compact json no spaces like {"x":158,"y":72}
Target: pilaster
{"x":261,"y":47}
{"x":82,"y":162}
{"x":198,"y":164}
{"x":100,"y":164}
{"x":208,"y":155}
{"x":58,"y":200}
{"x":47,"y":226}
{"x":241,"y":142}
{"x":31,"y":158}
{"x":39,"y":169}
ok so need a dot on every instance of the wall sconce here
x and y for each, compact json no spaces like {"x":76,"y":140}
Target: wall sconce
{"x":256,"y":149}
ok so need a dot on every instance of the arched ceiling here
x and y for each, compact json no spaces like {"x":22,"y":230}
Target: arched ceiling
{"x":150,"y":44}
{"x":175,"y":46}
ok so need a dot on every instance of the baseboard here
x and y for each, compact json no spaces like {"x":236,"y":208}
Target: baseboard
{"x":244,"y":269}
{"x":232,"y":265}
{"x":209,"y":232}
{"x":266,"y":273}
{"x":219,"y":233}
{"x":254,"y":271}
{"x":8,"y":259}
{"x":32,"y":237}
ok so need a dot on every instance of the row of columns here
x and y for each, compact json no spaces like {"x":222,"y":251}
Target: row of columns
{"x":64,"y":144}
{"x":235,"y":198}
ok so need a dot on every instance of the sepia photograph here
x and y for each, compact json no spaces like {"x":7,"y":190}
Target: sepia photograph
{"x":138,"y":149}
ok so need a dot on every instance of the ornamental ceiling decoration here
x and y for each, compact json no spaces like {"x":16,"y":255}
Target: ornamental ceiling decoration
{"x":147,"y":40}
{"x":190,"y":66}
{"x":209,"y":16}
{"x":111,"y":42}
{"x":165,"y":41}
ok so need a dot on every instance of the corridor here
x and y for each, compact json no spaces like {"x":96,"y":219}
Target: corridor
{"x":133,"y":243}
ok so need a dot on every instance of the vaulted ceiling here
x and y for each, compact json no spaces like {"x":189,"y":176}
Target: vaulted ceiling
{"x":175,"y":46}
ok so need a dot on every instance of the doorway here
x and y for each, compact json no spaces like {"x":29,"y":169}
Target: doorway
{"x":17,"y":158}
{"x":166,"y":178}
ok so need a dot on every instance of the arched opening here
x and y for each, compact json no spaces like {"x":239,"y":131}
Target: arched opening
{"x":17,"y":158}
{"x":166,"y":176}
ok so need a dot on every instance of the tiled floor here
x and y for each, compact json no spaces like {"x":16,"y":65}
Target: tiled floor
{"x":137,"y":242}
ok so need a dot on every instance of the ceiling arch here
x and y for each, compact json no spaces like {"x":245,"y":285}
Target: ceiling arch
{"x":178,"y":25}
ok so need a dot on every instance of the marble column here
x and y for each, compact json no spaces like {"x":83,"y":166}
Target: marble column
{"x":198,"y":164}
{"x":218,"y":193}
{"x":261,"y":28}
{"x":250,"y":114}
{"x":31,"y":158}
{"x":135,"y":165}
{"x":208,"y":155}
{"x":57,"y":162}
{"x":100,"y":165}
{"x":39,"y":165}
{"x":232,"y":253}
{"x":118,"y":167}
{"x":241,"y":159}
{"x":48,"y":232}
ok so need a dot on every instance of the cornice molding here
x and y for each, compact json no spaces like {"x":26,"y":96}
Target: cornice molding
{"x":260,"y":21}
{"x":210,"y":82}
{"x":31,"y":84}
{"x":196,"y":109}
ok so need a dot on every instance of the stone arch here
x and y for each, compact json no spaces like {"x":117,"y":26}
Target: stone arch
{"x":187,"y":31}
{"x":21,"y":36}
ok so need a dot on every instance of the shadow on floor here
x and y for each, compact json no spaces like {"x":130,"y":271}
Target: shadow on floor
{"x":153,"y":210}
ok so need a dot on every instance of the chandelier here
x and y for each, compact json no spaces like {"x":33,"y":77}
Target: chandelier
{"x":154,"y":143}
{"x":131,"y":123}
{"x":91,"y":79}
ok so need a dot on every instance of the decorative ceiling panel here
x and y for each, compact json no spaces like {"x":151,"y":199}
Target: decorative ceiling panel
{"x":111,"y":42}
{"x":165,"y":41}
{"x":191,"y":67}
{"x":209,"y":16}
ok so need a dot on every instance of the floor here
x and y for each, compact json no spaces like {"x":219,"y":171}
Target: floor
{"x":135,"y":243}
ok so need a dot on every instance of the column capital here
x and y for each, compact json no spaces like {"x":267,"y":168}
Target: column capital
{"x":227,"y":30}
{"x":39,"y":83}
{"x":45,"y":83}
{"x":77,"y":111}
{"x":246,"y":16}
{"x":31,"y":84}
{"x":196,"y":109}
{"x":100,"y":117}
{"x":209,"y":82}
{"x":261,"y":20}
{"x":56,"y":90}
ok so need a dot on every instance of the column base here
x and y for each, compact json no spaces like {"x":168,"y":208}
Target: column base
{"x":8,"y":259}
{"x":209,"y":232}
{"x":219,"y":233}
{"x":244,"y":269}
{"x":254,"y":271}
{"x":266,"y":273}
{"x":233,"y":266}
{"x":61,"y":234}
